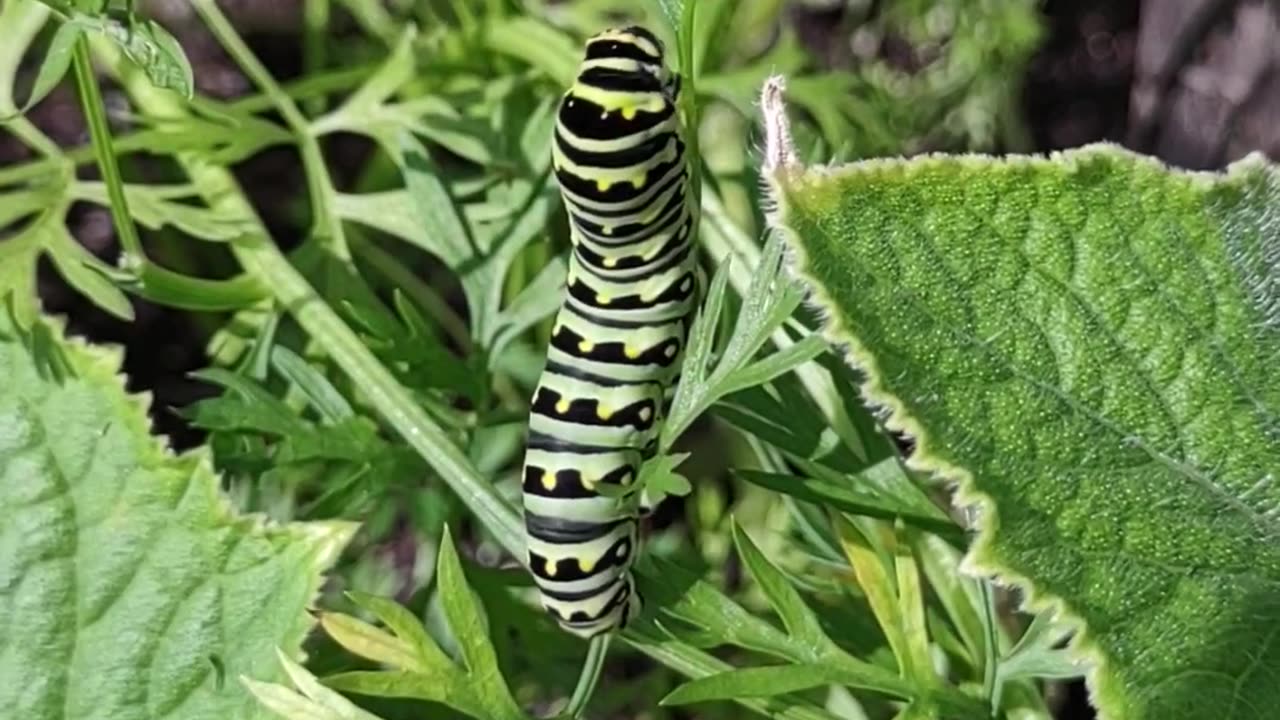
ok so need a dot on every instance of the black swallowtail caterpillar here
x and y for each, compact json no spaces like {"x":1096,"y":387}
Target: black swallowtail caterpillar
{"x":618,"y":339}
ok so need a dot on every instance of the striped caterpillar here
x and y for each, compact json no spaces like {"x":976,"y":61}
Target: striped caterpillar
{"x":618,"y":340}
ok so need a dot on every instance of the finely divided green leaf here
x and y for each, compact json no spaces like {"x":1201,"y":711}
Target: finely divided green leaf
{"x":798,"y":619}
{"x":1087,"y":343}
{"x":148,"y":44}
{"x":310,"y":701}
{"x":55,"y":65}
{"x":122,"y":570}
{"x":417,"y":667}
{"x":753,"y":682}
{"x":537,"y":43}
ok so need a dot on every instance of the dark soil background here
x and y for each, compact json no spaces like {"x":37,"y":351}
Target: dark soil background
{"x":1194,"y":82}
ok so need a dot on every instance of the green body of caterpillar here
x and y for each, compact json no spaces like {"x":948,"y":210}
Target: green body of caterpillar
{"x":619,"y":338}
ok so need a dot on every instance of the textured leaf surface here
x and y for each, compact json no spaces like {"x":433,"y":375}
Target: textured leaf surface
{"x":128,"y":589}
{"x":1089,"y":345}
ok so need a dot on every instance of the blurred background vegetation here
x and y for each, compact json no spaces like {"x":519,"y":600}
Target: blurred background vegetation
{"x":1196,"y":82}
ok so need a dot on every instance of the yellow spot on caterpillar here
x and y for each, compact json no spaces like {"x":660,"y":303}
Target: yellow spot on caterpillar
{"x":631,"y":351}
{"x":586,"y":564}
{"x":629,"y":113}
{"x":604,"y":412}
{"x":610,"y":262}
{"x":603,"y":299}
{"x":603,"y":185}
{"x":645,"y":414}
{"x":606,"y":229}
{"x":557,"y":329}
{"x":638,"y":181}
{"x":549,"y":567}
{"x":670,"y":351}
{"x":548,"y":480}
{"x":586,"y":346}
{"x":562,"y":407}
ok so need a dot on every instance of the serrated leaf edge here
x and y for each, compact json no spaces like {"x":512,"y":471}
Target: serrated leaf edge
{"x":1106,"y":693}
{"x":101,"y":364}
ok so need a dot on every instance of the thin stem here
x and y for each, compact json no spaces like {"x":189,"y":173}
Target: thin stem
{"x":990,"y":689}
{"x":96,"y":115}
{"x":235,"y":46}
{"x":589,"y":677}
{"x":315,"y":48}
{"x":327,"y":225}
{"x":33,"y":137}
{"x":138,"y":139}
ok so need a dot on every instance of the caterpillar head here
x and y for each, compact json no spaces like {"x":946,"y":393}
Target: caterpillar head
{"x":629,"y":49}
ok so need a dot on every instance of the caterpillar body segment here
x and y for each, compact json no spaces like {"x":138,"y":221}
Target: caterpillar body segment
{"x":618,"y":340}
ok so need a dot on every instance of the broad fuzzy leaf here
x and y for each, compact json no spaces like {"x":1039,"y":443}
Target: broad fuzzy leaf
{"x":128,"y":588}
{"x":1087,"y":345}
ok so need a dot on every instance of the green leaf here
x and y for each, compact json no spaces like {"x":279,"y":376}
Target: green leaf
{"x":55,"y":65}
{"x":753,"y":682}
{"x":310,"y":701}
{"x":769,"y":368}
{"x":86,"y":273}
{"x":799,"y":620}
{"x":156,"y":206}
{"x":419,"y":668}
{"x":539,"y":299}
{"x":480,"y":253}
{"x":123,"y":565}
{"x":538,"y":44}
{"x":768,"y":303}
{"x":659,"y":479}
{"x":395,"y":72}
{"x":321,"y":393}
{"x":1087,"y":345}
{"x":857,"y":495}
{"x":369,"y":642}
{"x":151,"y":47}
{"x":403,"y":624}
{"x":166,"y":287}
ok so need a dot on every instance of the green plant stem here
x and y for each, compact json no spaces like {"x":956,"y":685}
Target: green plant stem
{"x":327,"y":225}
{"x":696,"y":664}
{"x":991,"y":652}
{"x":96,"y":116}
{"x":689,"y":95}
{"x":315,"y":48}
{"x":21,"y":23}
{"x":590,"y":676}
{"x":34,"y":138}
{"x":54,"y":157}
